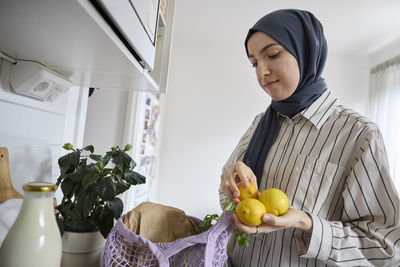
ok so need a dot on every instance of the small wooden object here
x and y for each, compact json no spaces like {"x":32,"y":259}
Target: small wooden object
{"x":7,"y":191}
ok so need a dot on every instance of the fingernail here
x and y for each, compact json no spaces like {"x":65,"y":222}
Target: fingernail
{"x":267,"y":217}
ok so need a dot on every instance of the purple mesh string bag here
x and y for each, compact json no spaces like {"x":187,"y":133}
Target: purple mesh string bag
{"x":124,"y":248}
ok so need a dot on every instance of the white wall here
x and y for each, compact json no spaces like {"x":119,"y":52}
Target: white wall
{"x":105,"y":119}
{"x":53,"y":122}
{"x":347,"y":77}
{"x":213,"y":97}
{"x":388,"y":52}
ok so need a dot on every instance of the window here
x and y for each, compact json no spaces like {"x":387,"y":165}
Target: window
{"x":384,"y":98}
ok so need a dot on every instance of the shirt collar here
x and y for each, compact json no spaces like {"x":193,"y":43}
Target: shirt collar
{"x":320,"y":110}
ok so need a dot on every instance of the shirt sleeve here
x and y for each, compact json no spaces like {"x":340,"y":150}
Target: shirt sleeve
{"x":369,"y":231}
{"x":237,"y":155}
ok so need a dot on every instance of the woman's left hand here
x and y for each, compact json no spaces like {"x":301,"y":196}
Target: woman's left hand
{"x":293,"y":218}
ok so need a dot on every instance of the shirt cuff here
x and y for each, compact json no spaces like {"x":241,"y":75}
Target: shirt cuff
{"x":318,"y":242}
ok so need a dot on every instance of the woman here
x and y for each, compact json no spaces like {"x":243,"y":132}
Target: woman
{"x":329,"y":160}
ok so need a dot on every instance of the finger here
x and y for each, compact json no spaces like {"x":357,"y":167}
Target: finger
{"x":270,"y":219}
{"x":251,"y":176}
{"x":234,"y":189}
{"x":246,"y":172}
{"x":242,"y":227}
{"x":229,"y":186}
{"x":243,"y":173}
{"x":278,"y":221}
{"x":229,"y":194}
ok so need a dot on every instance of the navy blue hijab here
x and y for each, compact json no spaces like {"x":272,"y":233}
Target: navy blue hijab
{"x":302,"y":35}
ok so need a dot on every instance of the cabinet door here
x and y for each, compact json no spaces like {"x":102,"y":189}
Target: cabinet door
{"x":147,"y":12}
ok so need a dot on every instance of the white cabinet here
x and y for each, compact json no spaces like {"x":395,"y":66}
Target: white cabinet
{"x":163,"y":45}
{"x":74,"y":38}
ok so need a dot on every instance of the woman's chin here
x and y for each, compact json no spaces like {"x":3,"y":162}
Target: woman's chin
{"x":278,"y":96}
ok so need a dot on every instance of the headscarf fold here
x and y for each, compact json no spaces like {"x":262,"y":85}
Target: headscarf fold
{"x":302,"y":35}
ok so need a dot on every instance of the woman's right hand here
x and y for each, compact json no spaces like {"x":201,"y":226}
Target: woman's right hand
{"x":235,"y":173}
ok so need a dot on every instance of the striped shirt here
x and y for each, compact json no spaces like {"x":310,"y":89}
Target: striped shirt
{"x":331,"y":163}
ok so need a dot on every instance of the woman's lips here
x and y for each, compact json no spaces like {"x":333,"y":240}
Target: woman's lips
{"x":270,"y":84}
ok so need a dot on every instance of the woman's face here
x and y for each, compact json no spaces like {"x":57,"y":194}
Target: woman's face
{"x":277,"y":70}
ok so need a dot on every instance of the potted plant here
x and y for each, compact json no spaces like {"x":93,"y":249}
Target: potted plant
{"x":90,"y":184}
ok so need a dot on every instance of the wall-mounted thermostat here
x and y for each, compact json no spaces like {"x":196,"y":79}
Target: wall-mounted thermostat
{"x":35,"y":80}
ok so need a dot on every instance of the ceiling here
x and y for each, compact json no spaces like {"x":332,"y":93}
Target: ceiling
{"x":361,"y":26}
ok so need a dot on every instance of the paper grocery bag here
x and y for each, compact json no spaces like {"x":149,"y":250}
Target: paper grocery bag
{"x":159,"y":223}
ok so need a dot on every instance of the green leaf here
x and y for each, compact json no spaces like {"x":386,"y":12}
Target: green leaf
{"x":66,"y":187}
{"x":79,"y":174}
{"x":100,"y":164}
{"x":89,"y":148}
{"x":96,"y":157}
{"x":105,"y":188}
{"x":121,"y":160}
{"x":110,"y":189}
{"x":106,"y":159}
{"x":240,"y":237}
{"x":207,"y":222}
{"x":134,"y":178}
{"x":68,"y":146}
{"x":96,"y":213}
{"x":116,"y":206}
{"x":132,"y":164}
{"x":89,"y":179}
{"x":64,"y":208}
{"x":83,"y":204}
{"x":69,"y":161}
{"x":96,"y":168}
{"x":121,"y":185}
{"x":60,"y":223}
{"x":128,"y":147}
{"x":106,"y":171}
{"x":83,"y":162}
{"x":106,"y":221}
{"x":60,"y":179}
{"x":93,"y":201}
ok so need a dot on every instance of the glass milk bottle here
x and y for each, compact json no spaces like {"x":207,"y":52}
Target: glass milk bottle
{"x":34,"y":239}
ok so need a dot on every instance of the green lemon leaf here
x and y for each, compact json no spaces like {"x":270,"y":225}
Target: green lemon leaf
{"x":106,"y":221}
{"x":89,"y":148}
{"x":134,"y":178}
{"x":69,"y":161}
{"x":89,"y":179}
{"x":116,"y":206}
{"x":68,"y":146}
{"x":78,"y":175}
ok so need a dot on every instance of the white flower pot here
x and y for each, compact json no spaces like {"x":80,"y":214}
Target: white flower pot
{"x":82,"y":249}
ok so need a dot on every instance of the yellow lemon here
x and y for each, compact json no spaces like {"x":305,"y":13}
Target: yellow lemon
{"x":250,"y":211}
{"x":275,"y":201}
{"x":247,"y":192}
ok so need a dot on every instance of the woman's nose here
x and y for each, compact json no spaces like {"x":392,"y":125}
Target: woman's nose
{"x":263,"y":69}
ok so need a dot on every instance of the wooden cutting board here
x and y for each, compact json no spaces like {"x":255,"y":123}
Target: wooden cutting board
{"x":7,"y":191}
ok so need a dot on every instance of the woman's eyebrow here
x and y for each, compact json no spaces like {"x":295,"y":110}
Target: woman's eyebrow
{"x":263,"y":49}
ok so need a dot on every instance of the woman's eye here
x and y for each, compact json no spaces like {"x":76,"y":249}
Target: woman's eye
{"x":274,"y":55}
{"x":254,"y":65}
